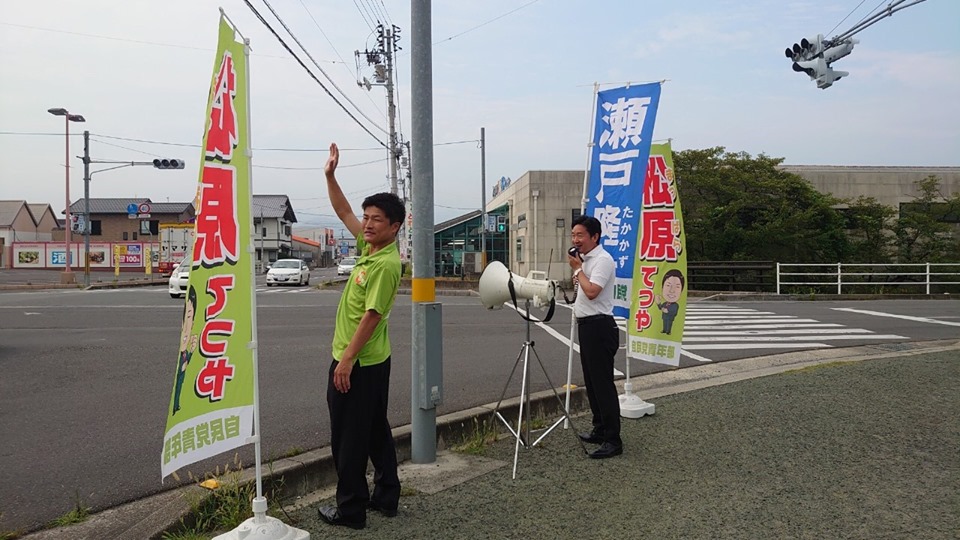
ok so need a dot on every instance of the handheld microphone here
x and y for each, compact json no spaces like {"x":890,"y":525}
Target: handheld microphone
{"x":573,"y":252}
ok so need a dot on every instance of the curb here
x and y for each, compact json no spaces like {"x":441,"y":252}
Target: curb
{"x":152,"y":516}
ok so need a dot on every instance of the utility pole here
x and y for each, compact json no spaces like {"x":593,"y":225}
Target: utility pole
{"x":381,"y":59}
{"x":427,"y":343}
{"x":86,"y":208}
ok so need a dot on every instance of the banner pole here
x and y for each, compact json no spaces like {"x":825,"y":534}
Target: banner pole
{"x":583,"y":206}
{"x":253,"y":292}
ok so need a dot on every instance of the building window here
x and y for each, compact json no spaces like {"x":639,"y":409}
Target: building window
{"x":263,"y":233}
{"x":125,"y":235}
{"x":134,"y":236}
{"x":574,"y":214}
{"x":520,"y":249}
{"x":95,"y":229}
{"x":286,"y":230}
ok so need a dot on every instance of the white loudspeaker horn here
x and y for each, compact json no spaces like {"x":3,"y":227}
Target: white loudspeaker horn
{"x":495,"y":289}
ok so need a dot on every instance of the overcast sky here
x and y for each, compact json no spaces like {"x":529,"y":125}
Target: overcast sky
{"x":140,"y":69}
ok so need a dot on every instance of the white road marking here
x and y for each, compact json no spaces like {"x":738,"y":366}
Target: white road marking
{"x":791,"y":338}
{"x":894,"y":316}
{"x":738,"y":346}
{"x":763,"y":332}
{"x":696,"y":357}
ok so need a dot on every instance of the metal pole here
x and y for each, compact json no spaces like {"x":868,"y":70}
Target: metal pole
{"x":86,"y":208}
{"x":778,"y":278}
{"x":583,"y":206}
{"x":66,"y":236}
{"x":423,"y":439}
{"x":928,"y":278}
{"x":839,"y":279}
{"x":483,"y":198}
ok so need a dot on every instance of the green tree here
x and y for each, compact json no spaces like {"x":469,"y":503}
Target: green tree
{"x":739,"y":207}
{"x":870,"y":228}
{"x":924,"y":232}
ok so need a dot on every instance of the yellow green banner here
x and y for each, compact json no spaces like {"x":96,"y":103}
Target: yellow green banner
{"x":658,"y":306}
{"x":211,"y":409}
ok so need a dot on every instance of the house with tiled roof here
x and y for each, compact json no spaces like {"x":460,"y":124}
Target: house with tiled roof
{"x":273,"y":220}
{"x":111,"y":221}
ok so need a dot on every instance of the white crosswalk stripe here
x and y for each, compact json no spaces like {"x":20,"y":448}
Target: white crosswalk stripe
{"x":712,"y":327}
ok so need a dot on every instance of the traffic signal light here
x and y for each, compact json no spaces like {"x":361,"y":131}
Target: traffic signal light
{"x":501,"y":223}
{"x":168,"y":163}
{"x":814,"y":57}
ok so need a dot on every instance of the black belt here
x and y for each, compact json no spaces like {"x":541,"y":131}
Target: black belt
{"x":591,"y":318}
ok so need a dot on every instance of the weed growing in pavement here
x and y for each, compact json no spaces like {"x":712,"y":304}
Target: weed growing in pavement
{"x":293,"y":451}
{"x":227,"y":506}
{"x":814,"y":367}
{"x":79,"y":514}
{"x":475,"y":442}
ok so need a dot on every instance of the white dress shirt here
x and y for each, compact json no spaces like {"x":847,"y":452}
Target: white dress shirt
{"x":601,"y":270}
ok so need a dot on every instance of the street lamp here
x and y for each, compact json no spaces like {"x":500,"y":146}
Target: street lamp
{"x":67,"y":276}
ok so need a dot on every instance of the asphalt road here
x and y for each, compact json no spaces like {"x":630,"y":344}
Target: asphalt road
{"x":87,"y":375}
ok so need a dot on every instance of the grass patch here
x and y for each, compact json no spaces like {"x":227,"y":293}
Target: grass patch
{"x":293,"y":451}
{"x":227,"y":506}
{"x":814,"y":367}
{"x":475,"y":442}
{"x":79,"y":514}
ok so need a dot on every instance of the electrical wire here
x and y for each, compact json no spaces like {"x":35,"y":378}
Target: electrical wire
{"x":343,"y":62}
{"x":365,"y":19}
{"x":845,"y":18}
{"x":486,"y":23}
{"x":310,"y":56}
{"x":314,"y":77}
{"x":139,"y":41}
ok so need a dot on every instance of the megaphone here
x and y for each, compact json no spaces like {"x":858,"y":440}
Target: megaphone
{"x":496,"y":281}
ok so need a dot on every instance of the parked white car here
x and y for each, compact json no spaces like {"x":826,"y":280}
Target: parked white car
{"x":288,"y":271}
{"x":346,"y":266}
{"x":179,"y":279}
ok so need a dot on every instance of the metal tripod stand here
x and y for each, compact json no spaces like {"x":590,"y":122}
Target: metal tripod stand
{"x":521,"y":433}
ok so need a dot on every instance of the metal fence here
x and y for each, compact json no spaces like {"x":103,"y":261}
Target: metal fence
{"x":840,"y":278}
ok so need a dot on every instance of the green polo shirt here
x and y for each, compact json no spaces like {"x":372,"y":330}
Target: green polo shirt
{"x":372,"y":285}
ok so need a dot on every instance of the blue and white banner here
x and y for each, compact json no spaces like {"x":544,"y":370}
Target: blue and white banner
{"x":623,"y":131}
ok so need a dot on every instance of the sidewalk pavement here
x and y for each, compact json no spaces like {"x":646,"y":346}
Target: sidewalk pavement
{"x":20,"y":279}
{"x":859,"y":442}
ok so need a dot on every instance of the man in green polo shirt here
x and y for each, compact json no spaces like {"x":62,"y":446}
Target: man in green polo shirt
{"x":359,"y":378}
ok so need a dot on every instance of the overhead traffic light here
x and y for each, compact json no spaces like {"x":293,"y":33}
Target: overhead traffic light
{"x":814,"y":57}
{"x":168,"y":163}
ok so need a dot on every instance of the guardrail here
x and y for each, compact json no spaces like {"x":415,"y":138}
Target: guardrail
{"x":932,"y":277}
{"x":757,"y":276}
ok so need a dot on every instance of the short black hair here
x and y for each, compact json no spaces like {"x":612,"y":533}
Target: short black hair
{"x":389,"y":204}
{"x":592,"y":224}
{"x":674,"y":273}
{"x":192,"y":299}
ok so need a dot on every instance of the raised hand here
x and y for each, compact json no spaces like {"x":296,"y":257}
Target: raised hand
{"x":331,"y":167}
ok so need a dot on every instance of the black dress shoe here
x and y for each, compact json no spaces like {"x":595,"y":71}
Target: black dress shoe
{"x":590,"y":437}
{"x":386,"y":512}
{"x":331,"y":515}
{"x":607,"y":450}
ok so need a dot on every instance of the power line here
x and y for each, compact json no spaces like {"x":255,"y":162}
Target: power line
{"x":186,"y":145}
{"x":369,"y":25}
{"x":373,"y":8}
{"x":342,"y":61}
{"x":140,"y":41}
{"x":314,"y":77}
{"x":486,"y":23}
{"x":847,"y":17}
{"x":310,"y":56}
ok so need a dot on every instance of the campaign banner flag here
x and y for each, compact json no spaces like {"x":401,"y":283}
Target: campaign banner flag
{"x":623,"y":131}
{"x":659,"y":304}
{"x":211,"y":409}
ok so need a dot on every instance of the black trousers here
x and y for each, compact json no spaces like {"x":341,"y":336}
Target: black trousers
{"x":360,"y":430}
{"x":599,"y":341}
